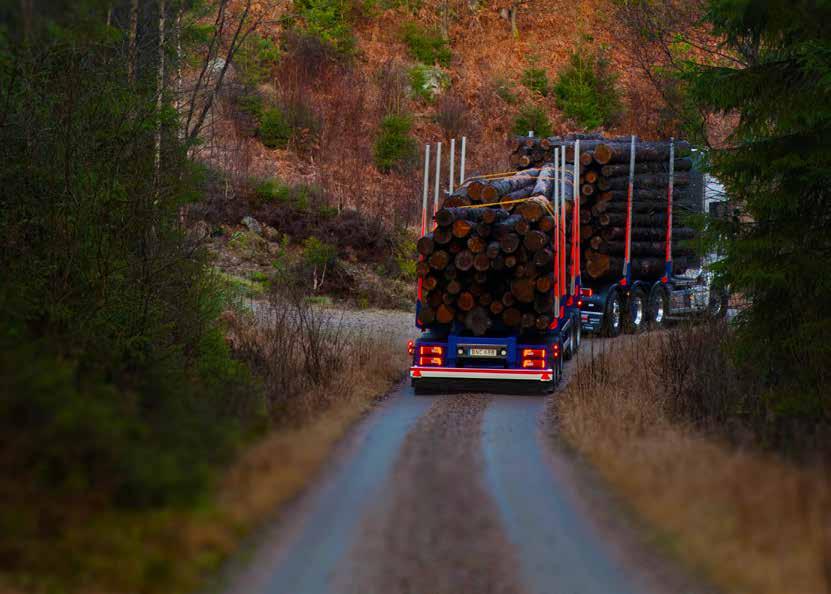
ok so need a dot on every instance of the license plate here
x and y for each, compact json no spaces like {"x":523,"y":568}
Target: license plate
{"x":483,"y":352}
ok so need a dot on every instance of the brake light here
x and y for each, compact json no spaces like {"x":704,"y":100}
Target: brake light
{"x":425,"y":361}
{"x":410,"y":347}
{"x":586,"y":292}
{"x":431,"y":350}
{"x":533,"y":353}
{"x":579,"y":303}
{"x":533,"y":364}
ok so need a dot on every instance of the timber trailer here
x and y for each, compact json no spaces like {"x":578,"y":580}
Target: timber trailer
{"x":630,"y":305}
{"x":511,"y":360}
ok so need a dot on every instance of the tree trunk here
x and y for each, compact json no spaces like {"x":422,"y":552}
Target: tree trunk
{"x":682,"y":164}
{"x":157,"y":156}
{"x":132,"y":41}
{"x":618,"y":152}
{"x":646,"y":233}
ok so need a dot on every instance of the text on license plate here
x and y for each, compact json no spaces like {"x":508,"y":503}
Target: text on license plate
{"x":483,"y":352}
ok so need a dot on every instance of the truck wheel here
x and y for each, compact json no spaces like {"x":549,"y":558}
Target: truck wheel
{"x":576,"y":332}
{"x":577,"y":336}
{"x":658,"y":307}
{"x":613,"y":316}
{"x":635,"y":318}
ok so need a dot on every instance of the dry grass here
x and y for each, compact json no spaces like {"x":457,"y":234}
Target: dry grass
{"x":751,"y":520}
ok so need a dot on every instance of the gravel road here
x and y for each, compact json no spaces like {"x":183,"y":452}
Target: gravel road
{"x":461,"y":494}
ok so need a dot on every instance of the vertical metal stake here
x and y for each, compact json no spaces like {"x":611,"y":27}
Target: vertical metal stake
{"x":462,"y":161}
{"x":557,"y":231}
{"x":438,"y":179}
{"x":575,"y":218}
{"x":425,"y":189}
{"x":563,"y":288}
{"x":452,"y":164}
{"x":630,"y":196}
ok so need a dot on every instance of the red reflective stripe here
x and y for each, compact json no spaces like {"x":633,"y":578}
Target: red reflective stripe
{"x":628,"y":223}
{"x":480,"y":370}
{"x":669,"y":222}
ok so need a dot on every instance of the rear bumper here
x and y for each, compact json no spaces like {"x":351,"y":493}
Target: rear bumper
{"x":472,"y":373}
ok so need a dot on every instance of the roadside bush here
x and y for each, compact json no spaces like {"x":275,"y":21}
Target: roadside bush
{"x":275,"y":130}
{"x":533,"y":118}
{"x":395,"y":148}
{"x":586,"y":89}
{"x":428,"y":47}
{"x":535,"y":80}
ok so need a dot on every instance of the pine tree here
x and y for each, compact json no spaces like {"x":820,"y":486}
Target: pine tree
{"x":778,"y":172}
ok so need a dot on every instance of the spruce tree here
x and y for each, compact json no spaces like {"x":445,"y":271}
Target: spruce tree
{"x":777,"y":171}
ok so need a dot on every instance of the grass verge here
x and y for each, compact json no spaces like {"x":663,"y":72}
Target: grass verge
{"x":751,"y":520}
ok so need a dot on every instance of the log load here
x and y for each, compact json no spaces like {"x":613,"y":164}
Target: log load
{"x":604,"y":168}
{"x":490,"y":267}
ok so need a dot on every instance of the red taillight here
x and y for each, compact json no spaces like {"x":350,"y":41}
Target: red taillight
{"x":431,"y":350}
{"x":533,"y":353}
{"x":555,"y":351}
{"x":533,"y":364}
{"x":586,"y":292}
{"x":424,"y":361}
{"x":410,"y":347}
{"x":579,"y":303}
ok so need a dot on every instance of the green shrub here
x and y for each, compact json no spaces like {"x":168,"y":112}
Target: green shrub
{"x":532,"y":118}
{"x":427,"y":82}
{"x":275,"y":130}
{"x":252,"y":104}
{"x":329,"y":21}
{"x":586,"y":90}
{"x":273,"y":190}
{"x":256,"y":59}
{"x":428,"y":47}
{"x":394,"y":147}
{"x":536,"y":80}
{"x":317,"y":252}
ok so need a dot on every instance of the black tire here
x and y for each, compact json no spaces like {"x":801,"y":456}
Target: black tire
{"x":577,"y":334}
{"x":658,"y":307}
{"x":613,"y":315}
{"x":569,"y":352}
{"x":635,"y":319}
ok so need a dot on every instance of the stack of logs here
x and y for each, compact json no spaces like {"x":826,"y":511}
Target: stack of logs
{"x":604,"y":168}
{"x":489,"y":262}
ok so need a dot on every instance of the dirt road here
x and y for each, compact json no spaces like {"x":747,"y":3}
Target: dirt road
{"x":461,"y":494}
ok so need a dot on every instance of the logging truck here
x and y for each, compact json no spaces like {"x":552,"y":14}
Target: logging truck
{"x":646,"y":291}
{"x":498,"y":289}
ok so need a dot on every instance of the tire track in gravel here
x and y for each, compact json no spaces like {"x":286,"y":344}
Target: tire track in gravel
{"x":438,"y":530}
